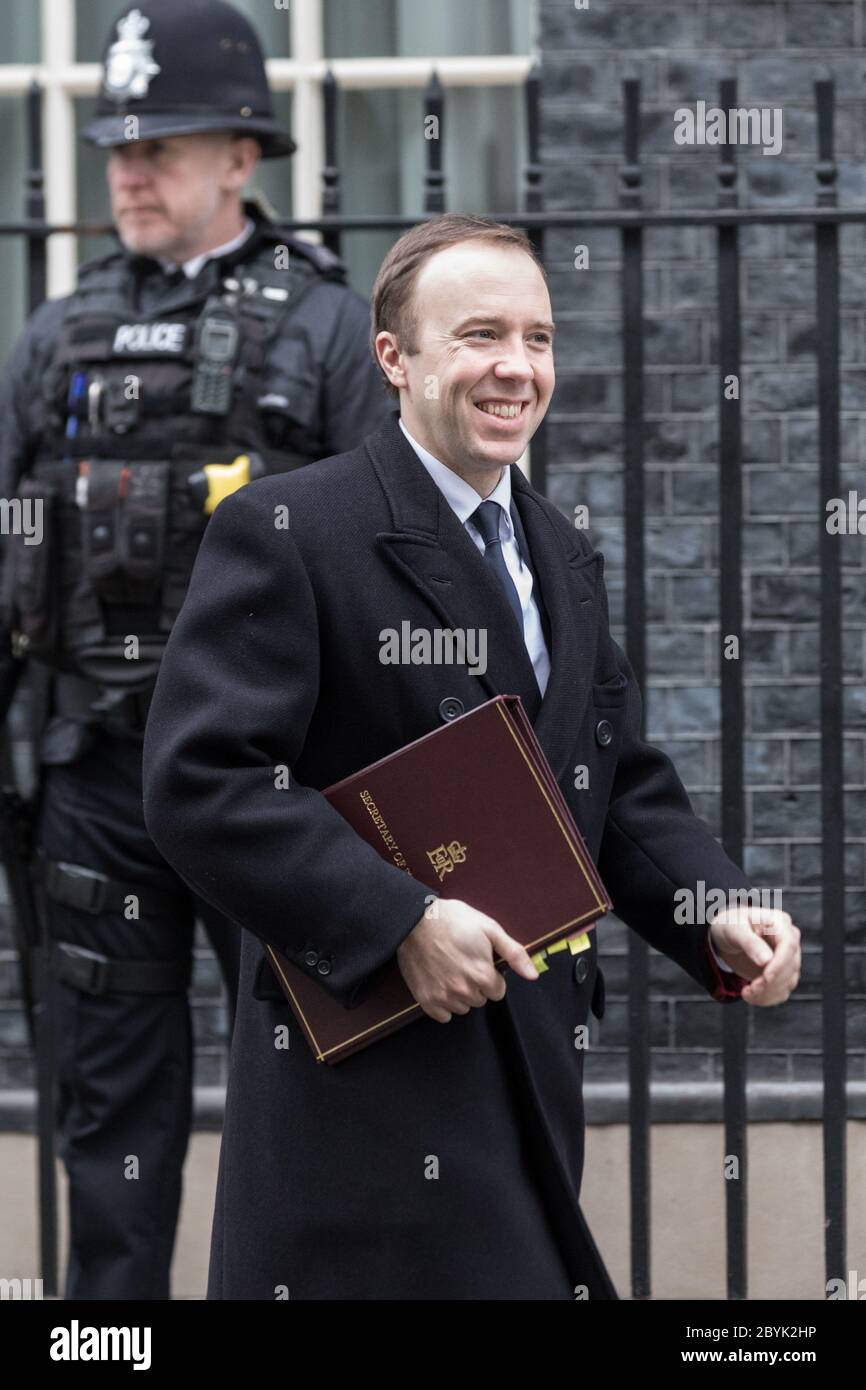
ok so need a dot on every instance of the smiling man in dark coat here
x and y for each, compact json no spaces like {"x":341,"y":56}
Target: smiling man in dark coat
{"x":444,"y":1161}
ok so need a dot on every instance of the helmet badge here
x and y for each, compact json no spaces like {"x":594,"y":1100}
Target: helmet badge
{"x":129,"y":65}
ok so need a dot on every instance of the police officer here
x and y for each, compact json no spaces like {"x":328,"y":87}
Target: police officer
{"x":210,"y":348}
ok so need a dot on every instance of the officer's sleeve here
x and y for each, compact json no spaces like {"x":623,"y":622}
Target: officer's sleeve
{"x":21,"y":378}
{"x":654,"y":845}
{"x":354,"y":403}
{"x":232,"y":704}
{"x":20,"y":390}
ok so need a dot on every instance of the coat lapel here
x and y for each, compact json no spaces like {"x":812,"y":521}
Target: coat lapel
{"x":435,"y":554}
{"x":569,"y":583}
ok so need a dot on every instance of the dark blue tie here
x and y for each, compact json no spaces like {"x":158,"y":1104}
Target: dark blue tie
{"x":486,"y":518}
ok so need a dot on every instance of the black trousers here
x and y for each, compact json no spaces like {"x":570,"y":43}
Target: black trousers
{"x":124,"y":1061}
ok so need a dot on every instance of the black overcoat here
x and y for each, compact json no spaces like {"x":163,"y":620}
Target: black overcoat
{"x":446,"y":1160}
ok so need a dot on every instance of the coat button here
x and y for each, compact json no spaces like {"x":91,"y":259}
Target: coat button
{"x":581,"y":969}
{"x":324,"y":967}
{"x":450,"y":708}
{"x":603,"y":732}
{"x":311,"y":957}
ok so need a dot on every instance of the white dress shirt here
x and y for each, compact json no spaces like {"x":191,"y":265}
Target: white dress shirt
{"x":192,"y":267}
{"x":463,"y":500}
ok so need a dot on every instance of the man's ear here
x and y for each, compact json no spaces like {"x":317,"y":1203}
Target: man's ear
{"x":245,"y":153}
{"x":388,"y":353}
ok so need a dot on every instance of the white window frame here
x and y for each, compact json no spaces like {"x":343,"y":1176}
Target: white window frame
{"x":62,"y":80}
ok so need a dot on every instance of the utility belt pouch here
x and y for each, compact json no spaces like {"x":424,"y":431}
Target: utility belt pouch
{"x":29,"y":589}
{"x":99,"y":526}
{"x":142,"y":528}
{"x":121,"y":410}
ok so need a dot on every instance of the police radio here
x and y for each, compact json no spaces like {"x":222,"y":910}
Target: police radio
{"x":216,"y":348}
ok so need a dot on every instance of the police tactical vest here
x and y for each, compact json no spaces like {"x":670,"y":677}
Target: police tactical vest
{"x":135,"y":405}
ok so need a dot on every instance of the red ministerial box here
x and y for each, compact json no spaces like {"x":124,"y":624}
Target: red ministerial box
{"x":473,"y":811}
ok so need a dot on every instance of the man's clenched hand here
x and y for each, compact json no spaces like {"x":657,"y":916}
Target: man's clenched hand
{"x":763,"y":946}
{"x":447,"y":959}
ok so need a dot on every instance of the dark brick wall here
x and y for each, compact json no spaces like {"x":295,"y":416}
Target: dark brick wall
{"x":776,"y":50}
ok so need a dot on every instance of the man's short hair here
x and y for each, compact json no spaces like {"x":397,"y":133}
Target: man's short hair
{"x":392,"y":307}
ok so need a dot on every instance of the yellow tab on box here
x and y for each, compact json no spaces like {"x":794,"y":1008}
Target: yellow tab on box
{"x":576,"y":943}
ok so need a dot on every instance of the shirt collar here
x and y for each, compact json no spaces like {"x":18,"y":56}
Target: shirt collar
{"x":460,"y":495}
{"x":192,"y":267}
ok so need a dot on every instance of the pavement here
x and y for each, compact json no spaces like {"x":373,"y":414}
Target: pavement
{"x":785,"y":1210}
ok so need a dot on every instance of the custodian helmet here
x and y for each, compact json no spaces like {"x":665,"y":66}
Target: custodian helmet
{"x":184,"y":66}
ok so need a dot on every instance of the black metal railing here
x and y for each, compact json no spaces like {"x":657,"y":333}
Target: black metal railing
{"x":633,"y":219}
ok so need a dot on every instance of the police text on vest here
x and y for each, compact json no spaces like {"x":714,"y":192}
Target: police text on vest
{"x":150,"y":337}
